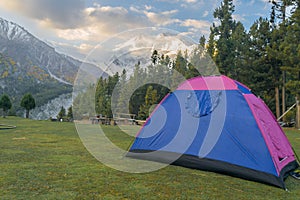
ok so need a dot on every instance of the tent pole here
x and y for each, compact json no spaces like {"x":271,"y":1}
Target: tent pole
{"x":279,"y":118}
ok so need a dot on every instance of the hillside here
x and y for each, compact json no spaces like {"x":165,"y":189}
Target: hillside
{"x":17,"y":81}
{"x":28,"y":64}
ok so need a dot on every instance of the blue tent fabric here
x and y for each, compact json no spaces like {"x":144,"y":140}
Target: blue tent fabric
{"x":213,"y":130}
{"x":235,"y":144}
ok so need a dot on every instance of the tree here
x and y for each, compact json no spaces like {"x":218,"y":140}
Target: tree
{"x":290,"y":48}
{"x":241,"y":47}
{"x":279,"y":10}
{"x":154,"y":57}
{"x":150,"y":99}
{"x":202,"y":41}
{"x":5,"y":104}
{"x":263,"y":74}
{"x":225,"y":43}
{"x":62,"y":113}
{"x":123,"y":96}
{"x":279,"y":20}
{"x":211,"y":44}
{"x":70,"y":113}
{"x":28,"y":103}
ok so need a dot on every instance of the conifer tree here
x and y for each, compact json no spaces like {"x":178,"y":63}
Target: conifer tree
{"x":62,"y":113}
{"x":225,"y":43}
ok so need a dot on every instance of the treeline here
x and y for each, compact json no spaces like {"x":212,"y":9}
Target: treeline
{"x":266,"y":58}
{"x":145,"y":87}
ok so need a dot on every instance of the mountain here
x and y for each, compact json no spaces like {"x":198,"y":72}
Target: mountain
{"x":127,"y":53}
{"x":28,"y":64}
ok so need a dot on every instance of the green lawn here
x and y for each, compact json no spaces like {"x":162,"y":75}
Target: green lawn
{"x":46,"y":160}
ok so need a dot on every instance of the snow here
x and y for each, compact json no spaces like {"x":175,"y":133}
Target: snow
{"x":13,"y":31}
{"x":58,"y":79}
{"x":140,"y":48}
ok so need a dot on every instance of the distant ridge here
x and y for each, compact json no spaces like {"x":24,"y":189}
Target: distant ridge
{"x":28,"y":64}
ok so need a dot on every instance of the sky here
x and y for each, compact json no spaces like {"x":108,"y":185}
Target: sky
{"x":74,"y":27}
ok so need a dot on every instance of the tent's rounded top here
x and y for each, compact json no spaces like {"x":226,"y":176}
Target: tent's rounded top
{"x":212,"y":83}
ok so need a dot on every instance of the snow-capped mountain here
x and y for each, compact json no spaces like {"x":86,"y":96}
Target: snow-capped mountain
{"x":166,"y":43}
{"x":27,"y":51}
{"x":12,"y":31}
{"x":138,"y":49}
{"x":28,"y":64}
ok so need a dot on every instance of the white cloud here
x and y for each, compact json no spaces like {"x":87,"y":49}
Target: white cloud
{"x":135,"y":9}
{"x":147,"y":7}
{"x":199,"y":24}
{"x":196,"y":27}
{"x":57,"y":13}
{"x":190,"y":1}
{"x":182,"y":1}
{"x":72,"y":20}
{"x":238,"y":17}
{"x":205,"y":14}
{"x":162,"y":18}
{"x":77,"y":34}
{"x":237,"y":2}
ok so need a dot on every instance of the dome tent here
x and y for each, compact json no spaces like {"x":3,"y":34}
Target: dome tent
{"x":216,"y":124}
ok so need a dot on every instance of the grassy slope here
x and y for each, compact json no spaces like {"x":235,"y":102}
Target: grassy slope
{"x":46,"y":160}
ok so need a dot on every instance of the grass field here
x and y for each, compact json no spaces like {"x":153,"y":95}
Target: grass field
{"x":46,"y":160}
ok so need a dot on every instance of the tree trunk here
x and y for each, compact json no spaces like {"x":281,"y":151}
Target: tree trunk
{"x":283,"y":92}
{"x":27,"y":114}
{"x":298,"y":113}
{"x":277,"y":102}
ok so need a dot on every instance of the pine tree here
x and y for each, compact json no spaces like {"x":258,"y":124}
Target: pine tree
{"x":137,"y":86}
{"x":70,"y":113}
{"x":211,"y":44}
{"x":260,"y":77}
{"x":150,"y":99}
{"x":100,"y":96}
{"x":279,"y":24}
{"x":155,"y":57}
{"x":202,"y":41}
{"x":62,"y":113}
{"x":225,"y":44}
{"x":178,"y":71}
{"x":180,"y":63}
{"x":241,"y":47}
{"x":291,"y":57}
{"x":123,"y":99}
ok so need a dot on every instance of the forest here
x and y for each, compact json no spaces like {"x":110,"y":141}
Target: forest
{"x":266,"y":58}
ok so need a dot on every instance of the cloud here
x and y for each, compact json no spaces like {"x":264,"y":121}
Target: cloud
{"x":190,"y":4}
{"x":107,"y":20}
{"x":147,"y":7}
{"x":199,"y":24}
{"x":196,"y":27}
{"x":157,"y":18}
{"x":72,"y":20}
{"x":190,"y":1}
{"x":237,"y":2}
{"x":162,"y":18}
{"x":205,"y":14}
{"x":182,"y":1}
{"x":238,"y":17}
{"x":57,"y":13}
